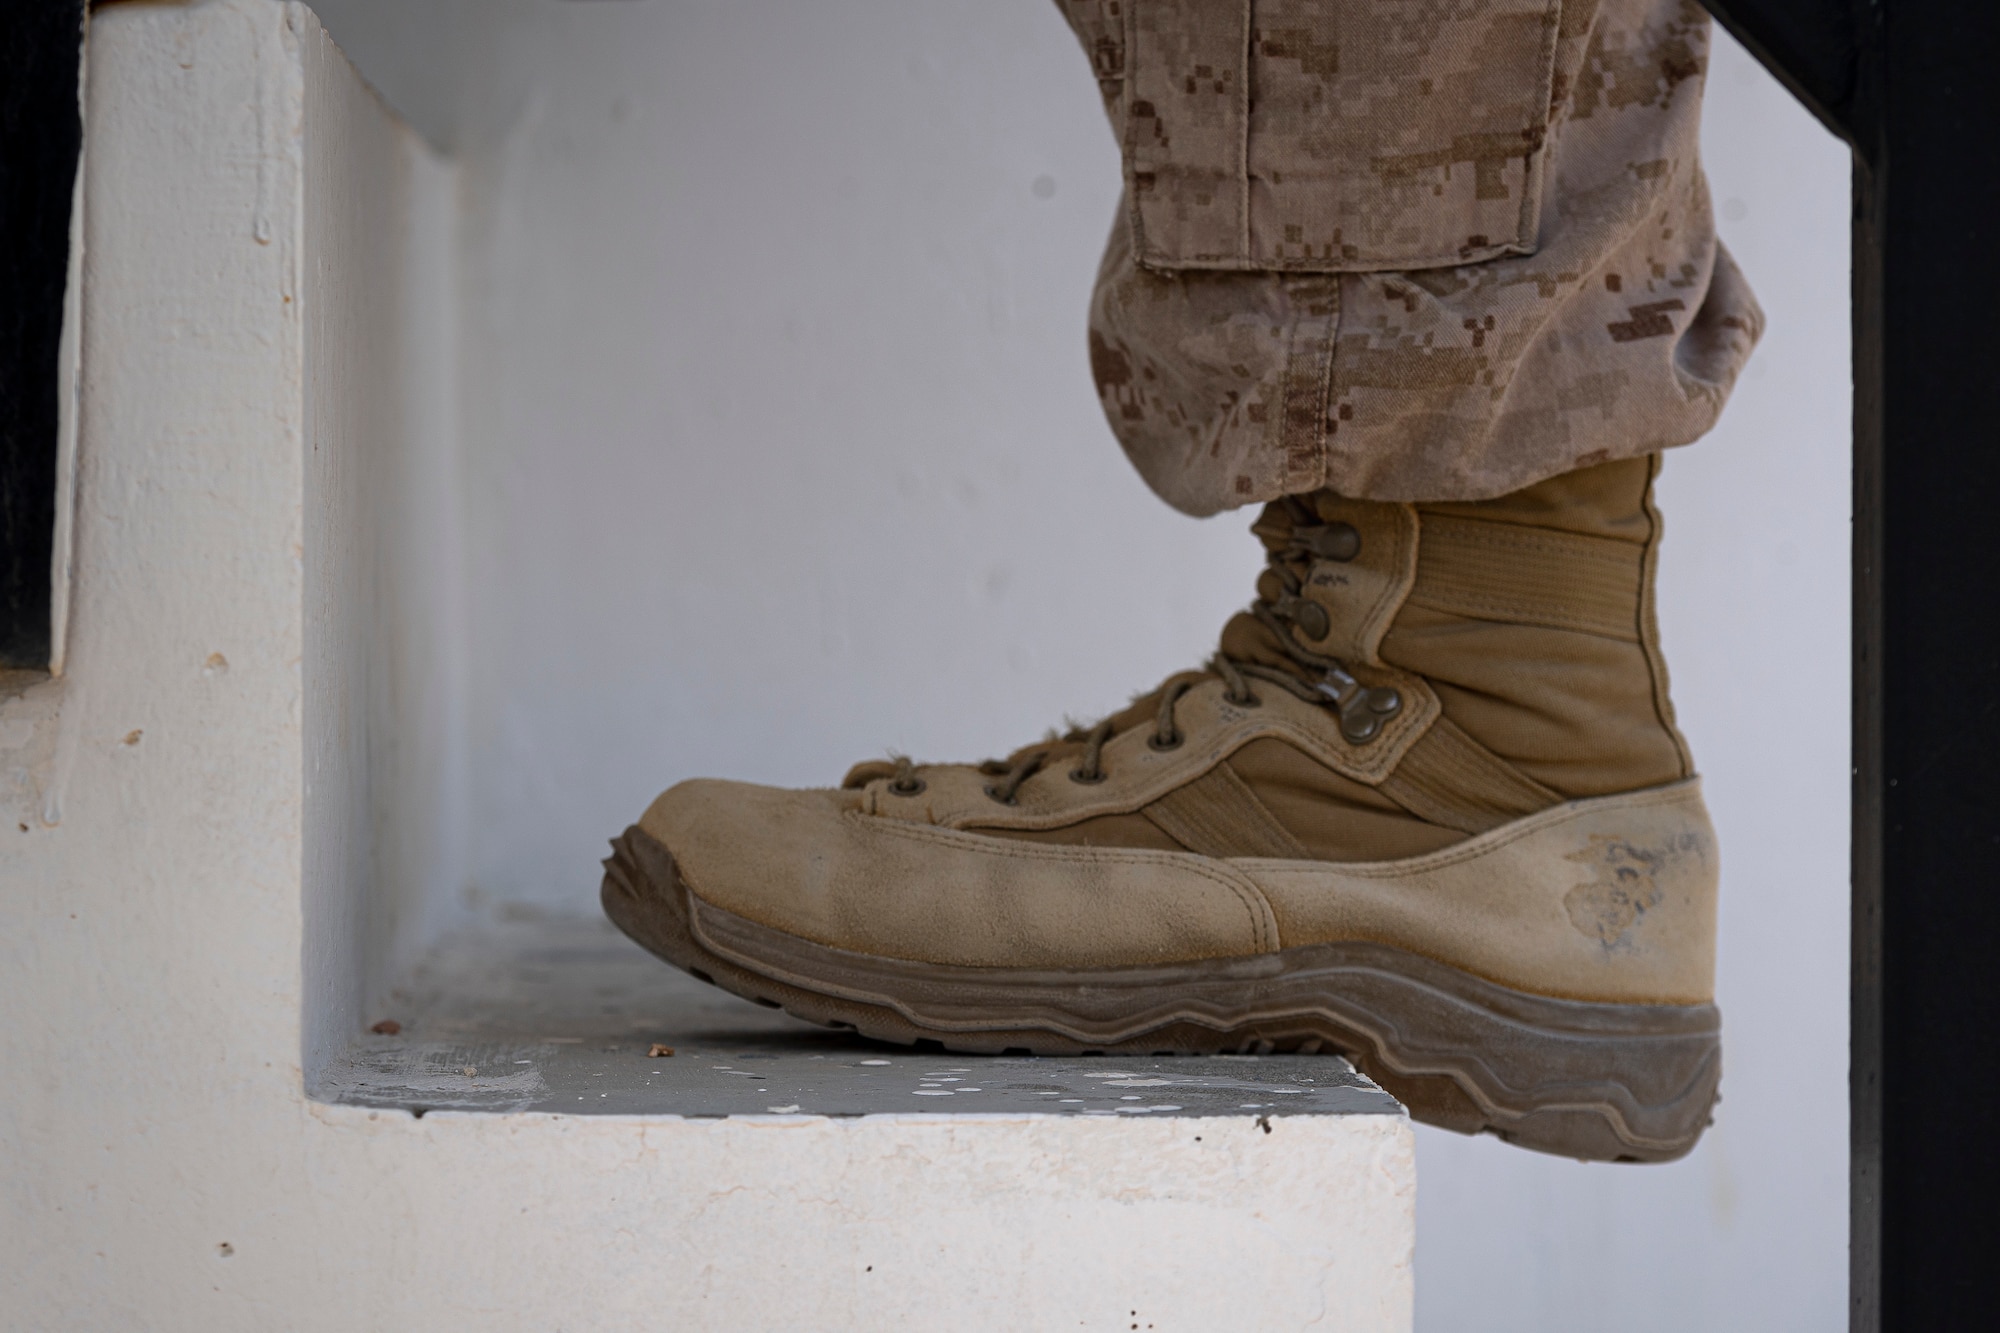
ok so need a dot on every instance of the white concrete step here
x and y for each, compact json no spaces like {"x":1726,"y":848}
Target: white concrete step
{"x":233,"y":826}
{"x":811,"y":1178}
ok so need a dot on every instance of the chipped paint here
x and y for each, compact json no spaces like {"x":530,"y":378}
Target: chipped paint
{"x":479,"y":998}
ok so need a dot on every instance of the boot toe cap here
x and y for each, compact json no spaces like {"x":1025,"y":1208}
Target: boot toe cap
{"x":813,"y":865}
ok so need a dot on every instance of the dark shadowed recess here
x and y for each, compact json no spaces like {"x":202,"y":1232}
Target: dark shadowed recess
{"x":1911,"y":86}
{"x":41,"y":134}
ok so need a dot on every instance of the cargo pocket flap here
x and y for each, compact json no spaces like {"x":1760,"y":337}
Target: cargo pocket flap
{"x":1351,"y":137}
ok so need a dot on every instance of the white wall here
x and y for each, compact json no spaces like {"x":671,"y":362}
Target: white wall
{"x":781,"y":444}
{"x":780,"y":451}
{"x":384,"y":644}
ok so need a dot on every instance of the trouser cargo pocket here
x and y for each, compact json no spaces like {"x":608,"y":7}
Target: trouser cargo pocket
{"x":1327,"y":137}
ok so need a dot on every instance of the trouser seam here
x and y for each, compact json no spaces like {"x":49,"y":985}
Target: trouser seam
{"x":1308,"y":381}
{"x":1649,"y":625}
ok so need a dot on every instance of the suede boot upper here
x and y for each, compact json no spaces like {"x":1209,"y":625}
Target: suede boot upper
{"x":1409,"y":675}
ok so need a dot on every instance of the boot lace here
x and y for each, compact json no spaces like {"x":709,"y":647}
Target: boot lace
{"x":1322,"y":680}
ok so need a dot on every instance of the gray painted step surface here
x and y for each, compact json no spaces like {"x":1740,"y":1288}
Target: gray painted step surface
{"x":559,"y":1015}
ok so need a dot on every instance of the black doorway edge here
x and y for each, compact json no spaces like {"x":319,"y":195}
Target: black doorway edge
{"x":41,"y":138}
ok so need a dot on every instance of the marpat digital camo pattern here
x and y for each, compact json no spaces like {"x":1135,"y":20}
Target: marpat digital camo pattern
{"x":1406,"y":249}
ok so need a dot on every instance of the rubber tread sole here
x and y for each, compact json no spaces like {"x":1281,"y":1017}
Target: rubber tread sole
{"x":1600,"y":1082}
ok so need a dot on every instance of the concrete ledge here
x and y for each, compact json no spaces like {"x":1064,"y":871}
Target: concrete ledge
{"x":771,"y":1174}
{"x":560,"y":1015}
{"x":973,"y":1221}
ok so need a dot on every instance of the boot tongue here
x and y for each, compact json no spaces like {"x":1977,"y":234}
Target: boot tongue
{"x":1245,"y":638}
{"x":1248,"y":639}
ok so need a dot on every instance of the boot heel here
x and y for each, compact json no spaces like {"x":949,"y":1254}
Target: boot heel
{"x":1602,"y":1082}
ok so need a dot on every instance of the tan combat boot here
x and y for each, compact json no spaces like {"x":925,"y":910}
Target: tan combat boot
{"x":1426,"y":807}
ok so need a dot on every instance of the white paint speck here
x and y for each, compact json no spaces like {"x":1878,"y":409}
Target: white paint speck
{"x":932,"y":1092}
{"x":874,"y":1062}
{"x":781,"y":1110}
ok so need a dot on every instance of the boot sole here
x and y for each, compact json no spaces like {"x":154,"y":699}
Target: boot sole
{"x":1599,"y":1082}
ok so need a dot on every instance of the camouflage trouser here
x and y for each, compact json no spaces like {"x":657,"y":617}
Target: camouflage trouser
{"x":1407,"y":249}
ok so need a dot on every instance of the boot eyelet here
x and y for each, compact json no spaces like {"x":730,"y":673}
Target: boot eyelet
{"x":1362,"y":716}
{"x":993,"y":793}
{"x":1312,"y":619}
{"x":1154,"y":742}
{"x":1337,"y":541}
{"x":915,"y":787}
{"x":1082,"y":779}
